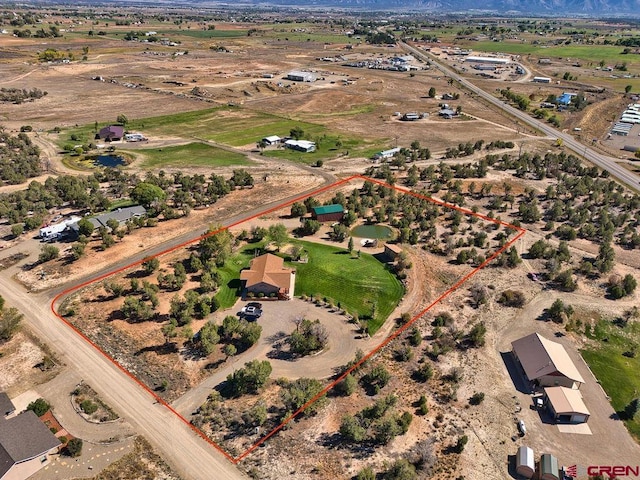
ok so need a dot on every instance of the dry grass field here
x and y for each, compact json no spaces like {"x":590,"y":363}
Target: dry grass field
{"x":222,"y":87}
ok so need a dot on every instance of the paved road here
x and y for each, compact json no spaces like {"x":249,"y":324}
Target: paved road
{"x":605,"y":162}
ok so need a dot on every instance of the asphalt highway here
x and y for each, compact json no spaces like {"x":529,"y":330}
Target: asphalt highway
{"x":605,"y":162}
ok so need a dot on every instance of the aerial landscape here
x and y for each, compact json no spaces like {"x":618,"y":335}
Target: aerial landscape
{"x":320,"y":240}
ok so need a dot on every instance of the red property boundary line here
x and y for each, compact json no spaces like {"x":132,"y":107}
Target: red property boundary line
{"x":385,"y":342}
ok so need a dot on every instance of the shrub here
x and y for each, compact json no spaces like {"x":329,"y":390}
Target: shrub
{"x":512,"y":298}
{"x":423,"y":373}
{"x":74,"y":447}
{"x":39,"y":407}
{"x":88,"y":407}
{"x":477,"y":398}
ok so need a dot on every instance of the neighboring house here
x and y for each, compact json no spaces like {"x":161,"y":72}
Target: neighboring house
{"x":328,"y":213}
{"x":301,"y":145}
{"x":25,"y":444}
{"x":111,"y":133}
{"x":6,"y":406}
{"x":272,"y":140}
{"x":545,"y":362}
{"x":392,"y":251}
{"x":386,"y":154}
{"x":122,"y":215}
{"x":268,"y":276}
{"x":566,"y":405}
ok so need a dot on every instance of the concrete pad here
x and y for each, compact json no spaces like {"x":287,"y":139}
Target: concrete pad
{"x":24,"y":399}
{"x":579,"y":429}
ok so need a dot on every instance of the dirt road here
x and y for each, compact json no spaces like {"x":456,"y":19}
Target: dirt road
{"x":188,"y":453}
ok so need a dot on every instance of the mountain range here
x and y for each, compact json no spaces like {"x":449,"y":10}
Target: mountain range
{"x":559,"y":8}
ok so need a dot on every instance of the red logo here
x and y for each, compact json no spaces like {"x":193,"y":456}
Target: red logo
{"x":572,"y":471}
{"x":614,"y":470}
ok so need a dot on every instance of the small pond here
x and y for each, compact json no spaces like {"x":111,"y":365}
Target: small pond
{"x":111,"y":161}
{"x":372,"y":231}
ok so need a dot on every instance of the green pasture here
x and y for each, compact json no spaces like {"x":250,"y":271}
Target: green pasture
{"x":201,"y":34}
{"x":360,"y":284}
{"x":611,"y":54}
{"x":245,"y":128}
{"x":189,"y":155}
{"x":618,"y":374}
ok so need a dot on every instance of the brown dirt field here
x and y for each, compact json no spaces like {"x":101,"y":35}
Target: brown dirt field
{"x":18,"y":359}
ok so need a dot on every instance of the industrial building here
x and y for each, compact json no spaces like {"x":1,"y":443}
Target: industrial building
{"x":497,"y":60}
{"x":541,"y":79}
{"x":298,"y":76}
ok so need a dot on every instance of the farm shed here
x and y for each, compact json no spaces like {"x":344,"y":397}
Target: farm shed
{"x":566,"y":405}
{"x":549,"y":467}
{"x":392,"y":251}
{"x":545,"y":362}
{"x":328,"y":213}
{"x":298,"y":76}
{"x":268,"y":276}
{"x":542,"y":79}
{"x":272,"y":140}
{"x":525,"y":463}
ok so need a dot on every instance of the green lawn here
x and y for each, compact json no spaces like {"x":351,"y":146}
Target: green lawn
{"x":230,"y":275}
{"x":357,"y":283}
{"x":619,"y":375}
{"x":191,"y":154}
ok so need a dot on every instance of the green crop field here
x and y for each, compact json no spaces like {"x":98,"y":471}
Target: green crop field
{"x":618,"y":374}
{"x":361,"y":285}
{"x":191,"y":154}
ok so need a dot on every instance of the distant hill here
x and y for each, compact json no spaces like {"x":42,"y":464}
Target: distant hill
{"x":534,"y":7}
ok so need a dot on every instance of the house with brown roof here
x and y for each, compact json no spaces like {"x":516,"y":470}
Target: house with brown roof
{"x":268,"y":276}
{"x":111,"y":133}
{"x":25,"y":446}
{"x":545,"y":362}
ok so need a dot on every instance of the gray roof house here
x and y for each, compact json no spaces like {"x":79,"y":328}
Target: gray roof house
{"x":6,"y":405}
{"x":25,"y":445}
{"x":121,"y":215}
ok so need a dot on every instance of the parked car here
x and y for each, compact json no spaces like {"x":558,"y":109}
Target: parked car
{"x":251,"y":311}
{"x":522,"y":428}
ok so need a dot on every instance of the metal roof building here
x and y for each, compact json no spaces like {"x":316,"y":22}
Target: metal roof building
{"x":525,"y":463}
{"x":298,"y":76}
{"x":566,"y":405}
{"x":498,"y":60}
{"x":545,"y":362}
